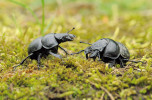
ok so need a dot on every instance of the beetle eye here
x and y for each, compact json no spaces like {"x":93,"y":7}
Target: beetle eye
{"x":67,"y":37}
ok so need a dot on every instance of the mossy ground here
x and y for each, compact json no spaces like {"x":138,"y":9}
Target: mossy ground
{"x":75,"y":77}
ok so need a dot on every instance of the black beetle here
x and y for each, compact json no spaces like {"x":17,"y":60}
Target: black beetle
{"x":48,"y":44}
{"x":107,"y":50}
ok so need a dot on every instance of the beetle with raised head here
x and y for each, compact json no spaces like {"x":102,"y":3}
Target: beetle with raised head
{"x":46,"y":45}
{"x":108,"y":51}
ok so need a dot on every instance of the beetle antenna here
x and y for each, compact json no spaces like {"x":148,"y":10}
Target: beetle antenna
{"x":71,"y":29}
{"x":85,"y":42}
{"x":77,"y":52}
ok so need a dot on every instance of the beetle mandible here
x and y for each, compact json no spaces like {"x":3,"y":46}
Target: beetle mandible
{"x":48,"y":44}
{"x":107,"y":50}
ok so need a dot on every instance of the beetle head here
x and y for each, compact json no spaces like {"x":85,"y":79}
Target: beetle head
{"x":69,"y":37}
{"x":65,"y":36}
{"x":87,"y":51}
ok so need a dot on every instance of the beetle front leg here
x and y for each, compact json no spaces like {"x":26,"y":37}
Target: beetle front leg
{"x":99,"y":57}
{"x":55,"y":55}
{"x":121,"y":63}
{"x":87,"y":56}
{"x":112,"y":63}
{"x":64,"y":50}
{"x":77,"y":52}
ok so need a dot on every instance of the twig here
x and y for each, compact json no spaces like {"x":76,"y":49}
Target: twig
{"x":101,"y":98}
{"x":110,"y":95}
{"x":43,"y":17}
{"x":104,"y":89}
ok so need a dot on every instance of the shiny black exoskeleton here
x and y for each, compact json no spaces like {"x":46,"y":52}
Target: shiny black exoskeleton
{"x":107,"y":50}
{"x":46,"y":45}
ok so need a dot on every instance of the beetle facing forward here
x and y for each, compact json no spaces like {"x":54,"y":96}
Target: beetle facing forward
{"x":107,"y":50}
{"x":44,"y":46}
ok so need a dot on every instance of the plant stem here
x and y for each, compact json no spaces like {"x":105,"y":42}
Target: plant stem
{"x":26,"y":7}
{"x":43,"y":17}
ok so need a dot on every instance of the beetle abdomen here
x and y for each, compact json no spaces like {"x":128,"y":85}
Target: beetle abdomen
{"x":35,"y":45}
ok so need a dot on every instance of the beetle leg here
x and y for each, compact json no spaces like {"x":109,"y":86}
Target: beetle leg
{"x":55,"y":55}
{"x":99,"y":58}
{"x":23,"y":61}
{"x":64,"y":50}
{"x":94,"y":59}
{"x":87,"y":56}
{"x":38,"y":60}
{"x":121,"y":63}
{"x":112,"y":63}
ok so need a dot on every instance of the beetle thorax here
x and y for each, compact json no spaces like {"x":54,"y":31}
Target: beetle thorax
{"x":59,"y":37}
